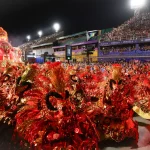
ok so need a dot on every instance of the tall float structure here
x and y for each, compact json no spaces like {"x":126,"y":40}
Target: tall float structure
{"x":7,"y":52}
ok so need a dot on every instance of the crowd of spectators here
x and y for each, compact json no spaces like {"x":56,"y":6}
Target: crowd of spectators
{"x":145,"y":48}
{"x":107,"y":50}
{"x":135,"y":28}
{"x":120,"y":49}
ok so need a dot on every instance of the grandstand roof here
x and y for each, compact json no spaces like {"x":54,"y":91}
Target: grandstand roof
{"x":73,"y":35}
{"x":43,"y":40}
{"x":76,"y":44}
{"x":45,"y":44}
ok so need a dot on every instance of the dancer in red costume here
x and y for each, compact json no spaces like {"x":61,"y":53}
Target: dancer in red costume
{"x":142,"y":96}
{"x":51,"y":118}
{"x":117,"y":122}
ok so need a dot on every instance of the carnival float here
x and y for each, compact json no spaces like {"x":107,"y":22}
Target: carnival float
{"x":57,"y":107}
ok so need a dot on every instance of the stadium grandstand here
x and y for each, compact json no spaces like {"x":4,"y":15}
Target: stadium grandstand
{"x":128,"y":41}
{"x":135,"y":28}
{"x":79,"y":43}
{"x":35,"y":50}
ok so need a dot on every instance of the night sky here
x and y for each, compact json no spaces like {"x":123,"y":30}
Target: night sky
{"x":23,"y":17}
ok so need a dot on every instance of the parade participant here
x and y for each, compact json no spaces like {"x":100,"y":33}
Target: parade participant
{"x":50,"y":119}
{"x":117,"y":122}
{"x":142,"y":96}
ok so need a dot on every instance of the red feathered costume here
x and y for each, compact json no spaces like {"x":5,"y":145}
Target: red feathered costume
{"x":116,"y":122}
{"x":51,"y":117}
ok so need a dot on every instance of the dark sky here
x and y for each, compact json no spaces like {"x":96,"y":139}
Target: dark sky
{"x":22,"y":17}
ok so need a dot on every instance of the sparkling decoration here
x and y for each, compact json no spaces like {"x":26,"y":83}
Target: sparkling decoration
{"x":53,"y":107}
{"x":3,"y":34}
{"x":7,"y":52}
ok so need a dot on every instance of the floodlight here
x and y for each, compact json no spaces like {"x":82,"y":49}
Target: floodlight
{"x":40,"y":33}
{"x":56,"y":27}
{"x":28,"y":37}
{"x":137,"y":4}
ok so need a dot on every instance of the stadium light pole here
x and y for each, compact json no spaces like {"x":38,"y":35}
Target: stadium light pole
{"x":137,"y":5}
{"x":56,"y":27}
{"x":28,"y":37}
{"x":40,"y":33}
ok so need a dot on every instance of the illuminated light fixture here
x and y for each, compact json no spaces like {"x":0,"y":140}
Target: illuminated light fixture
{"x":28,"y":37}
{"x":137,"y":4}
{"x":40,"y":33}
{"x":56,"y":27}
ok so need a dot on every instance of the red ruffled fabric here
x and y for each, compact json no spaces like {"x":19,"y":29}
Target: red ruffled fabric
{"x":70,"y":108}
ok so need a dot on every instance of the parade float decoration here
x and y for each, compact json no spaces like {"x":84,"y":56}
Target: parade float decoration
{"x":11,"y":68}
{"x":7,"y":52}
{"x":53,"y":107}
{"x":51,"y":117}
{"x":62,"y":108}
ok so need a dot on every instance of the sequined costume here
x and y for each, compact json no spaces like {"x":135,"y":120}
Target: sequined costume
{"x":117,"y":122}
